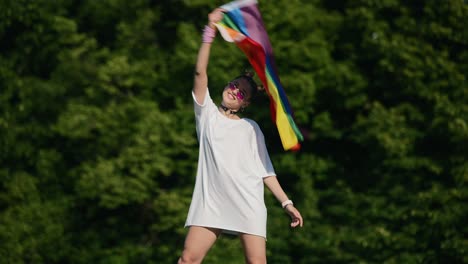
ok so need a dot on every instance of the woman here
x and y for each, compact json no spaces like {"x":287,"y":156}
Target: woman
{"x":233,"y":167}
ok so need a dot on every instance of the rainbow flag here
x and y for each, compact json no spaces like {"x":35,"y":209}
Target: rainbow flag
{"x":242,"y":24}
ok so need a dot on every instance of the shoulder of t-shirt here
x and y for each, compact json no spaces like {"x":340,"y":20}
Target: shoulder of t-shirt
{"x":253,"y":124}
{"x":206,"y":99}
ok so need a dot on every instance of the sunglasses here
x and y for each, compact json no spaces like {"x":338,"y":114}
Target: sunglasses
{"x":240,"y":94}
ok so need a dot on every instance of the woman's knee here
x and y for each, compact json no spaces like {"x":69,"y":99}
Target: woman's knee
{"x":197,"y":243}
{"x":255,"y":259}
{"x":188,"y":257}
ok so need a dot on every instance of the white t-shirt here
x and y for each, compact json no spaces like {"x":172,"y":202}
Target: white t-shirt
{"x":233,"y":160}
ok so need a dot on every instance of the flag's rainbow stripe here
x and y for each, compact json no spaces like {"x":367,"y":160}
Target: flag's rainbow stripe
{"x":243,"y":25}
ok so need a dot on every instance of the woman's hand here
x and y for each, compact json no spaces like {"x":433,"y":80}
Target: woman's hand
{"x":296,"y":218}
{"x":215,"y":16}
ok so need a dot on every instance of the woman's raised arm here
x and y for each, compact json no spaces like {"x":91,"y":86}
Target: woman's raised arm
{"x":200,"y":83}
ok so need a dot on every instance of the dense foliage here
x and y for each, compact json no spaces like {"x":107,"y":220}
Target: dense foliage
{"x":98,"y":147}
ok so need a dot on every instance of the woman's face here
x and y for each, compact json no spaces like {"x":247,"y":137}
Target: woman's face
{"x":236,"y":94}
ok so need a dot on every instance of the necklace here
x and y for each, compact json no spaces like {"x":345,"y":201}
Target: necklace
{"x":225,"y":109}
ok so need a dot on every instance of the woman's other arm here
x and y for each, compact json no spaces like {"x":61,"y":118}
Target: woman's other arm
{"x":274,"y":186}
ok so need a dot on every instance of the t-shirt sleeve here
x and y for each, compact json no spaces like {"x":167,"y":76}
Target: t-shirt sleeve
{"x":202,"y":110}
{"x":261,"y":156}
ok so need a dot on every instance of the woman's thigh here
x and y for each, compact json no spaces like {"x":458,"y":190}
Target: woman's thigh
{"x":198,"y":241}
{"x":254,"y":248}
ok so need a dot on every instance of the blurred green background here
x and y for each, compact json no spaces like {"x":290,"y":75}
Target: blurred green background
{"x":98,"y":147}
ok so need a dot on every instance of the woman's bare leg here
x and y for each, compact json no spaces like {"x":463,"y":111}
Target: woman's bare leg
{"x":254,"y":249}
{"x":197,"y":243}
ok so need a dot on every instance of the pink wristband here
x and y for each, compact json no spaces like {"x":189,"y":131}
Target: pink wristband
{"x":208,"y":34}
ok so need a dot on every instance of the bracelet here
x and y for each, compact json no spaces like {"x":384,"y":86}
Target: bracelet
{"x":208,"y":34}
{"x":286,"y":203}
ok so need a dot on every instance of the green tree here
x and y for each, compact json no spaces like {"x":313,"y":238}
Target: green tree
{"x":98,"y":143}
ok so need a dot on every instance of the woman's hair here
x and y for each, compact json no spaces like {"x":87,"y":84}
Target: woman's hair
{"x":255,"y":89}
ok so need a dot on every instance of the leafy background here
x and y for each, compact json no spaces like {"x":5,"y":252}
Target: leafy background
{"x":98,"y":148}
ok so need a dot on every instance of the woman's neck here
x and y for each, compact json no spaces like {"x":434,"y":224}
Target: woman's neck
{"x":227,"y":111}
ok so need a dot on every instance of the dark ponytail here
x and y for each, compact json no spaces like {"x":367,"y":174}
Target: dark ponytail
{"x":254,"y":87}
